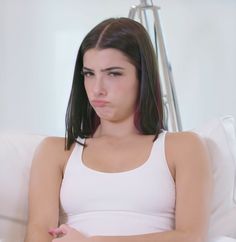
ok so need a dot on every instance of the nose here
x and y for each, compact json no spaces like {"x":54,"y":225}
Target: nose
{"x":99,"y":87}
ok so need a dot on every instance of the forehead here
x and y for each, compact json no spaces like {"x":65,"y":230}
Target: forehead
{"x":104,"y":57}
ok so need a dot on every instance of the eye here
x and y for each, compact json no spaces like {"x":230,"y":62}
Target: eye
{"x":114,"y":73}
{"x":87,"y":73}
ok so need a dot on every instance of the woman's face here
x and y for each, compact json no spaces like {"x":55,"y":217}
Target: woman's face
{"x":111,"y":83}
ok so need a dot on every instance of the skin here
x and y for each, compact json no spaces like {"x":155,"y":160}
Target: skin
{"x":186,"y":156}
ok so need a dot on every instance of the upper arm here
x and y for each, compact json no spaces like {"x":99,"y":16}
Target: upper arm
{"x":193,"y":178}
{"x":45,"y":181}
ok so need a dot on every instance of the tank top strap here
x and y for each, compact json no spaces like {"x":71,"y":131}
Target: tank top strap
{"x":160,"y":155}
{"x":159,"y":145}
{"x":73,"y":163}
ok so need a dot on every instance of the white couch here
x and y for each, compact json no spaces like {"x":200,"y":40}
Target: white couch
{"x":16,"y":152}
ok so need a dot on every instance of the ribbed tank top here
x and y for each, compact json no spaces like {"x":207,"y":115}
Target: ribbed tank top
{"x":137,"y":201}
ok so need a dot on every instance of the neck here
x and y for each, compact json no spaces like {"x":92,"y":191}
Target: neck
{"x":116,"y":129}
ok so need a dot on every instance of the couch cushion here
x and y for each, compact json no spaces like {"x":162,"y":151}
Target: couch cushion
{"x":16,"y":153}
{"x":219,"y":135}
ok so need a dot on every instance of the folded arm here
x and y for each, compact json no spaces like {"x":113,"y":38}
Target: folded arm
{"x":45,"y":181}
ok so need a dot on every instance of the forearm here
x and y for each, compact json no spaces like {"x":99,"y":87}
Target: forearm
{"x":170,"y":236}
{"x":37,"y":234}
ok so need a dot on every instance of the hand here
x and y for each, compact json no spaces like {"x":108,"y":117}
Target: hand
{"x":67,"y":234}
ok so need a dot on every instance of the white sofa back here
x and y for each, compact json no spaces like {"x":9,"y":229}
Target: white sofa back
{"x":16,"y":153}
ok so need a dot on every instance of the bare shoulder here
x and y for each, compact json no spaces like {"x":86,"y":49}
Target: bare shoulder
{"x":53,"y":149}
{"x":182,"y":147}
{"x":52,"y":146}
{"x":49,"y":143}
{"x":184,"y":136}
{"x":183,"y":140}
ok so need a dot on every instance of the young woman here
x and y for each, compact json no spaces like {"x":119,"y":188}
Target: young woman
{"x":118,"y":176}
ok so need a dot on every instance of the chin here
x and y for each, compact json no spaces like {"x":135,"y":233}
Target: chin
{"x":107,"y":117}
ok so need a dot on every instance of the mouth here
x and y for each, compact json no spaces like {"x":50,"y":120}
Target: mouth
{"x":99,"y":103}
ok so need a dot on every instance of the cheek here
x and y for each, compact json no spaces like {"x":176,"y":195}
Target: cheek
{"x":87,"y":87}
{"x":126,"y":93}
{"x":131,"y":89}
{"x":126,"y":86}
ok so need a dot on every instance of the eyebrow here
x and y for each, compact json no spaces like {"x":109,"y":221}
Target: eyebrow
{"x":106,"y":69}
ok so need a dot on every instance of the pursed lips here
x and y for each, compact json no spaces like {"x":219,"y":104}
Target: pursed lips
{"x":99,"y":103}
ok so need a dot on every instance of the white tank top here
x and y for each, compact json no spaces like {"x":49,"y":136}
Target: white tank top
{"x":138,"y":201}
